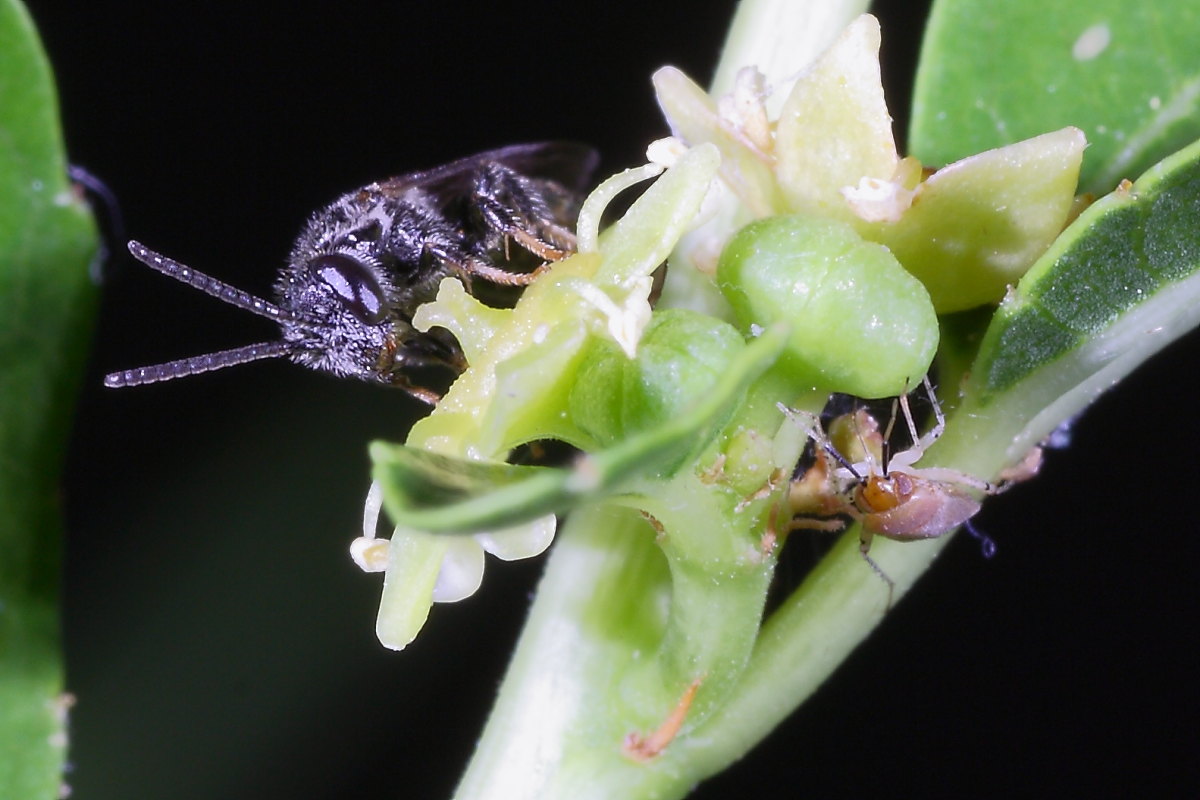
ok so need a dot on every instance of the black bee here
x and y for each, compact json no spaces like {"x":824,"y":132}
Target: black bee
{"x":363,"y":264}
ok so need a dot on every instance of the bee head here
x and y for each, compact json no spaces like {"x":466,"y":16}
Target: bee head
{"x":339,"y":317}
{"x":335,"y":316}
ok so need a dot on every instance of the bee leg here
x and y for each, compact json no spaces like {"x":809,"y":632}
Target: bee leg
{"x":512,"y":206}
{"x":499,"y":275}
{"x":466,"y":267}
{"x":457,"y":363}
{"x":428,"y":396}
{"x":436,"y":348}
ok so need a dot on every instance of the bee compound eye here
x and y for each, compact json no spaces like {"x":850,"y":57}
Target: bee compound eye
{"x":354,"y":284}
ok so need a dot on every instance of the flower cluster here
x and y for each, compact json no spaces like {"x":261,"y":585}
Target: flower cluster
{"x":856,"y":252}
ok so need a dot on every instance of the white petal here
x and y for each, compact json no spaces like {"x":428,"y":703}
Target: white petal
{"x":665,"y":152}
{"x":462,"y":570}
{"x":624,"y":322}
{"x":520,"y":541}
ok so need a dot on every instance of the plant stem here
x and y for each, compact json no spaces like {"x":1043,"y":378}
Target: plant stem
{"x":551,"y":733}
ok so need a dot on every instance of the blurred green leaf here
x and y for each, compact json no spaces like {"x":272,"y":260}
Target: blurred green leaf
{"x":47,"y":239}
{"x":1128,"y":74}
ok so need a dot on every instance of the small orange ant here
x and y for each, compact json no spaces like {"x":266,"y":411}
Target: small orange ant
{"x":857,"y":475}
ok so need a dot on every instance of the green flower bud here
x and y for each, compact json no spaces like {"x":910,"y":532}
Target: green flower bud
{"x":680,"y":356}
{"x":860,"y":323}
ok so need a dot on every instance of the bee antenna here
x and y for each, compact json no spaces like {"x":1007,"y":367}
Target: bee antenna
{"x":197,"y":364}
{"x":210,"y":286}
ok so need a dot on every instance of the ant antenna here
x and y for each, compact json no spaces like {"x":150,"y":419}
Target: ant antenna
{"x":818,"y":437}
{"x":841,"y":459}
{"x":987,"y":545}
{"x":210,"y":361}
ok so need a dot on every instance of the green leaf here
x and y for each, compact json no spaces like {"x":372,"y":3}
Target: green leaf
{"x":433,"y":492}
{"x":1120,"y":284}
{"x":46,"y":241}
{"x":437,"y":493}
{"x":1128,"y":74}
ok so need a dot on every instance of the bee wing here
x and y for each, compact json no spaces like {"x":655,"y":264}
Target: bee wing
{"x":568,"y":164}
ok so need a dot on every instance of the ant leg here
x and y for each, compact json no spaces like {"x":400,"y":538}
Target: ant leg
{"x":864,"y":549}
{"x":939,"y":426}
{"x":770,"y":538}
{"x":911,"y":423}
{"x":920,"y":443}
{"x":811,"y":424}
{"x":807,"y":524}
{"x":1026,"y":469}
{"x":957,"y":478}
{"x":771,"y":484}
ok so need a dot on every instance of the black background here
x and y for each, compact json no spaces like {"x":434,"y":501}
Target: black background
{"x":218,"y":638}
